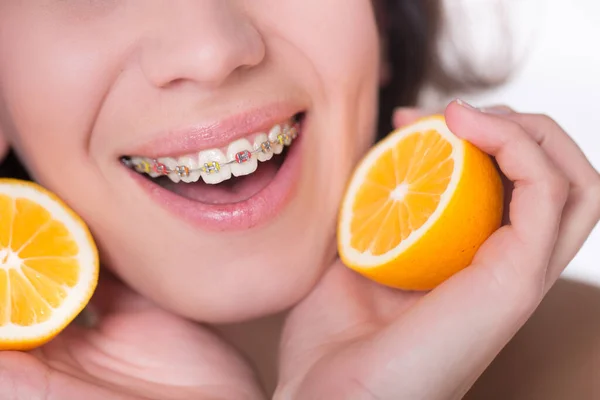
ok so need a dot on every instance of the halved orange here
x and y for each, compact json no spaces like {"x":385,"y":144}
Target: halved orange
{"x":418,"y":207}
{"x":48,"y":265}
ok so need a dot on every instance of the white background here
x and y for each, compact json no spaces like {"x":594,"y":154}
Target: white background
{"x":558,"y":53}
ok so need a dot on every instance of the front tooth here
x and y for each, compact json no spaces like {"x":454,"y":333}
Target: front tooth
{"x":216,"y":156}
{"x":274,"y":138}
{"x":170,"y":163}
{"x":245,"y":163}
{"x":265,"y":155}
{"x":193,"y":173}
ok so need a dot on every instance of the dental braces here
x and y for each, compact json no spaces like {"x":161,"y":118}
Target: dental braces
{"x":211,"y":167}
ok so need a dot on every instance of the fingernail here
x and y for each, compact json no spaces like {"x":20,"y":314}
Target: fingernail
{"x":466,"y":105}
{"x":497,"y":110}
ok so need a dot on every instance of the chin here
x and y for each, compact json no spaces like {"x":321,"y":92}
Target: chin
{"x":266,"y":293}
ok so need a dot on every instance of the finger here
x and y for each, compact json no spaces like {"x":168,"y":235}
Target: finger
{"x":540,"y":187}
{"x":25,"y":377}
{"x":583,"y":207}
{"x":579,"y":218}
{"x":498,"y":110}
{"x":339,"y":309}
{"x":506,"y":183}
{"x":467,"y":320}
{"x":559,"y":146}
{"x":405,"y":116}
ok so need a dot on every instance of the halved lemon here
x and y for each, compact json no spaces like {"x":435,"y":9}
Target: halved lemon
{"x":48,"y":265}
{"x":418,"y":207}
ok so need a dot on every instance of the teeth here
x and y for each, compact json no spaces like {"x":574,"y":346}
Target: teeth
{"x":240,"y":152}
{"x":215,"y":169}
{"x":258,"y":143}
{"x":141,"y":165}
{"x":213,"y":165}
{"x":274,"y":137}
{"x":193,"y":173}
{"x":286,"y":132}
{"x":152,"y":172}
{"x":170,"y":163}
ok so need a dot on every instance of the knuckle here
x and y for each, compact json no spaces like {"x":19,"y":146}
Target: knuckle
{"x":515,"y":129}
{"x":514,"y":135}
{"x":556,"y":187}
{"x":544,"y":121}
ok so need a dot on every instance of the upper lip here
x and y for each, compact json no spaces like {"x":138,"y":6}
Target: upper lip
{"x":214,"y":134}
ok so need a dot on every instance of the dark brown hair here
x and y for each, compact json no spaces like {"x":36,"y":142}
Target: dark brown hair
{"x":410,"y":31}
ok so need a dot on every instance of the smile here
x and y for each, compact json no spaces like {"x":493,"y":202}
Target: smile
{"x":250,"y":165}
{"x":239,"y":158}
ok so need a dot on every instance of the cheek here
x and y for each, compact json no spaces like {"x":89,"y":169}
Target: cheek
{"x":52,"y":85}
{"x":341,"y":41}
{"x":336,"y":53}
{"x":336,"y":41}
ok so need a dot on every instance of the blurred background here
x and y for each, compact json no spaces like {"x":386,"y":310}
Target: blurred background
{"x":552,"y":48}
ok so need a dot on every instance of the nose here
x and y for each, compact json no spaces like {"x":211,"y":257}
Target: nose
{"x":204,"y":41}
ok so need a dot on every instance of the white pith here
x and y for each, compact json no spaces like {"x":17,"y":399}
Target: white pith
{"x":367,"y":259}
{"x":77,"y":295}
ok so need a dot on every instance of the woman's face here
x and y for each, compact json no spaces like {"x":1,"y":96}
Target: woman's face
{"x":190,"y":82}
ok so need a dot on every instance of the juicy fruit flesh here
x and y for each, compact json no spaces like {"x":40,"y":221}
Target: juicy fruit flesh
{"x":38,"y":262}
{"x":396,"y":204}
{"x":442,"y":231}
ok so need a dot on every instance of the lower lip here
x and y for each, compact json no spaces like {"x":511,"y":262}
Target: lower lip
{"x":257,"y":210}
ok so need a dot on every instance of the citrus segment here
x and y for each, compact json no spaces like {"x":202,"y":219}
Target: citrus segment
{"x":418,"y":207}
{"x":52,"y":239}
{"x":400,"y":192}
{"x":62,"y":270}
{"x":48,"y":265}
{"x":27,"y":307}
{"x":50,"y":291}
{"x":28,"y":219}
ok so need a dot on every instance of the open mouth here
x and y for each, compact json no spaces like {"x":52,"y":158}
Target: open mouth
{"x":232,"y":174}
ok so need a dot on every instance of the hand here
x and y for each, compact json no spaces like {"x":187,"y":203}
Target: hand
{"x":136,"y":351}
{"x":353,"y":339}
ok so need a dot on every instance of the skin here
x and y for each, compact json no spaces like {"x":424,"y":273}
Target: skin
{"x":91,"y":71}
{"x":123,"y":70}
